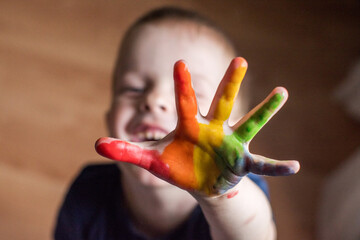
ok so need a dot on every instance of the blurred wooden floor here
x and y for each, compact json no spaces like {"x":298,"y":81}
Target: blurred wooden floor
{"x":56,"y":60}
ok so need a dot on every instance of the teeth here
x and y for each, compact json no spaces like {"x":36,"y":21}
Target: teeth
{"x":162,"y":135}
{"x":156,"y":135}
{"x":150,"y":135}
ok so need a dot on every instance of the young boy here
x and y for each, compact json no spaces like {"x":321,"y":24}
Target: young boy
{"x":218,"y":200}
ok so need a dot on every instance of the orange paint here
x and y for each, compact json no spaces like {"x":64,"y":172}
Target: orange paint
{"x":201,"y":156}
{"x":182,"y":172}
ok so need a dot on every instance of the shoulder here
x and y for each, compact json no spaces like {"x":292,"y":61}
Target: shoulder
{"x":88,"y":195}
{"x":92,"y":184}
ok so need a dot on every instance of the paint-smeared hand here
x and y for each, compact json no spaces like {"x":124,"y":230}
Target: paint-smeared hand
{"x":204,"y":154}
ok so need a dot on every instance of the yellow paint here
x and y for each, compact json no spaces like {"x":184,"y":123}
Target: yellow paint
{"x":211,"y":135}
{"x":226,"y":102}
{"x":206,"y":171}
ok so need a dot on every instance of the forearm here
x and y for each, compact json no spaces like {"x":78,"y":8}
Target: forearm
{"x":247,"y":215}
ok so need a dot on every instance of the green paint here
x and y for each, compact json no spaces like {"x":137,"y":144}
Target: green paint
{"x":232,"y":150}
{"x":253,"y":125}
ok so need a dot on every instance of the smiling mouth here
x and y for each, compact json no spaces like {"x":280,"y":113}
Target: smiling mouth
{"x":149,"y":136}
{"x":147,"y":133}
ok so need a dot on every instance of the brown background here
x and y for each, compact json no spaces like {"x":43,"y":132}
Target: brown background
{"x":56,"y":59}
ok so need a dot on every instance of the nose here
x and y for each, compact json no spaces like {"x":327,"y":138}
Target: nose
{"x":157,"y":101}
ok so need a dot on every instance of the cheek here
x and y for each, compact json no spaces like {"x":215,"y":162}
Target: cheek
{"x":204,"y":103}
{"x":204,"y":107}
{"x":120,"y":116}
{"x":237,"y":112}
{"x":135,"y":173}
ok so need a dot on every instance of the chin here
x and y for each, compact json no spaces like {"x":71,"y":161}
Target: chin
{"x":142,"y":176}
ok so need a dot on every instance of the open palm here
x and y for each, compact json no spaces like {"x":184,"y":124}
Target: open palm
{"x":203,"y":153}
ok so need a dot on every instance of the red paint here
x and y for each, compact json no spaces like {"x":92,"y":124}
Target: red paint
{"x":232,"y":194}
{"x":126,"y":152}
{"x":176,"y":161}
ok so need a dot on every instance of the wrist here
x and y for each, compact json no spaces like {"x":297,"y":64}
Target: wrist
{"x":243,"y":212}
{"x":233,"y":194}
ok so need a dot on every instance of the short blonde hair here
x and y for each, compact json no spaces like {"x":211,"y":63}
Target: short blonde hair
{"x":178,"y":15}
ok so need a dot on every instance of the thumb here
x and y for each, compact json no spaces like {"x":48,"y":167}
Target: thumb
{"x":137,"y":154}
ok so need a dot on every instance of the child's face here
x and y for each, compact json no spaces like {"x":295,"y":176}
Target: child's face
{"x":143,"y":107}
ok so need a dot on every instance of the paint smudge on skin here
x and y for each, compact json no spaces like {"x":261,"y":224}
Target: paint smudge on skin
{"x":232,"y":194}
{"x":249,"y":220}
{"x":201,"y":157}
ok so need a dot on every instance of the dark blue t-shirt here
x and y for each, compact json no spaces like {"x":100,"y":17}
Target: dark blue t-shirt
{"x":94,"y":209}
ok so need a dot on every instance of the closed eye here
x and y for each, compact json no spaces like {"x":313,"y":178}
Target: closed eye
{"x":131,"y":84}
{"x":131,"y":91}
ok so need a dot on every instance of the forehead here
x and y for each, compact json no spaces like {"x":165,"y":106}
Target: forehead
{"x":156,"y":47}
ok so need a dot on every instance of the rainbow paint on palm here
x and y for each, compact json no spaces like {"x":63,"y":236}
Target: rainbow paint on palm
{"x":205,"y":154}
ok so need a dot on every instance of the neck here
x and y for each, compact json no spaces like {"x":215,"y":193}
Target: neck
{"x":156,"y":211}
